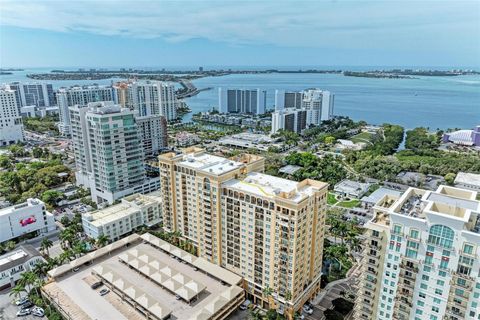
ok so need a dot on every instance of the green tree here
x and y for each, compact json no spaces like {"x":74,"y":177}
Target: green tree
{"x":102,"y":240}
{"x":45,"y":245}
{"x":51,"y":197}
{"x":450,"y":178}
{"x":329,"y":140}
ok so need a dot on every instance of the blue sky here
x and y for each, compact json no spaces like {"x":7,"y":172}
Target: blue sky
{"x":248,"y":33}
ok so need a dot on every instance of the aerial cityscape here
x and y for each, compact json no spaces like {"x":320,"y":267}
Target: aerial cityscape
{"x":236,"y":160}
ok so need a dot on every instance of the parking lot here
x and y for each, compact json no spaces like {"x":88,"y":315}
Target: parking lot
{"x":8,"y":310}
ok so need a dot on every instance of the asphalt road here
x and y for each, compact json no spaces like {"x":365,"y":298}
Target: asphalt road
{"x":8,"y":310}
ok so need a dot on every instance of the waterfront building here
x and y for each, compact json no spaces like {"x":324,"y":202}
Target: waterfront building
{"x":118,"y":220}
{"x":186,"y":139}
{"x":108,"y":152}
{"x":267,"y":229}
{"x":11,"y":126}
{"x":242,"y":101}
{"x":288,"y":100}
{"x":463,"y":137}
{"x":33,"y":94}
{"x":420,"y":259}
{"x":79,"y":96}
{"x":30,"y":217}
{"x":14,"y":263}
{"x":148,"y":98}
{"x":294,"y":120}
{"x":319,"y":105}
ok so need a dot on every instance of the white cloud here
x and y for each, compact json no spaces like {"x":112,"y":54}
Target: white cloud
{"x":282,"y":23}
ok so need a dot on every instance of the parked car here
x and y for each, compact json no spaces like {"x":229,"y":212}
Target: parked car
{"x":38,"y":312}
{"x":308,"y":310}
{"x":75,"y":269}
{"x":21,"y":301}
{"x":104,"y":292}
{"x":177,"y":297}
{"x":23,"y":312}
{"x":27,"y":305}
{"x":96,"y":285}
{"x":245,"y":305}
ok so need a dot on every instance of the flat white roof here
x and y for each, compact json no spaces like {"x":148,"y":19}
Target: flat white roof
{"x":29,"y":203}
{"x":468,"y":178}
{"x":209,"y":163}
{"x":269,"y":186}
{"x":110,"y":214}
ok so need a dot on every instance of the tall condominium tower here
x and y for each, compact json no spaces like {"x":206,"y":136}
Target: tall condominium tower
{"x":267,"y":229}
{"x":11,"y":126}
{"x":148,"y":98}
{"x":108,"y":152}
{"x":242,"y":101}
{"x":288,"y":99}
{"x":81,"y":96}
{"x":153,"y":133}
{"x":294,"y":120}
{"x":319,"y":105}
{"x":421,"y":257}
{"x":33,"y":94}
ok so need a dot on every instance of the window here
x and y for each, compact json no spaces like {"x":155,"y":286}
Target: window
{"x":468,"y":248}
{"x":397,"y":229}
{"x":414,"y":234}
{"x":441,"y":236}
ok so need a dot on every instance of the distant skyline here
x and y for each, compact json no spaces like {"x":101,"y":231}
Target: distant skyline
{"x":239,"y":33}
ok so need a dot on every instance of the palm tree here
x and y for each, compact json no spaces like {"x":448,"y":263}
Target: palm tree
{"x":16,"y":291}
{"x":45,"y":245}
{"x":267,"y":291}
{"x":79,"y":248}
{"x":67,"y":236}
{"x":64,"y":256}
{"x":10,"y":245}
{"x":102,"y":240}
{"x":27,"y":279}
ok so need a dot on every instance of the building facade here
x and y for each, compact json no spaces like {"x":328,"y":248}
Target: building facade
{"x":242,"y":101}
{"x":11,"y":125}
{"x":319,"y":105}
{"x":294,"y":120}
{"x":288,"y":100}
{"x":108,"y":152}
{"x":148,"y":98}
{"x":34,"y":94}
{"x":14,"y":263}
{"x":25,"y":218}
{"x":267,"y":229}
{"x":81,"y":96}
{"x":421,"y":257}
{"x":124,"y":218}
{"x":153,"y":133}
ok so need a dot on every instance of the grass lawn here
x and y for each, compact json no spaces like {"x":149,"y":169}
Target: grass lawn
{"x":349,"y":204}
{"x":332,"y":199}
{"x":361,"y":137}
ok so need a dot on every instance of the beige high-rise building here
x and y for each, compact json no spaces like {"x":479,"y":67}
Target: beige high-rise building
{"x":421,"y":257}
{"x":267,"y":229}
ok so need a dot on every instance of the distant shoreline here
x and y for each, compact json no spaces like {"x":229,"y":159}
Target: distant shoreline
{"x":177,"y":76}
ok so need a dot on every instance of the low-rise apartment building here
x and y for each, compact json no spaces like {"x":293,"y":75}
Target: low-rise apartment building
{"x":123,"y":218}
{"x":14,"y":263}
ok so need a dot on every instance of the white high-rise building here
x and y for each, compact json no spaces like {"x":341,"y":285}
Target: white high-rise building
{"x":108,"y":152}
{"x":242,"y":101}
{"x":288,"y":99}
{"x":33,"y":94}
{"x":421,"y":257}
{"x":153,"y":133}
{"x":81,"y":96}
{"x":319,"y":105}
{"x":290,"y":120}
{"x":148,"y":98}
{"x":11,"y":126}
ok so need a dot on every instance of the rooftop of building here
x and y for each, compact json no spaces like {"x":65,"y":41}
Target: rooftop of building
{"x":351,"y":186}
{"x":380,"y":193}
{"x":468,"y":178}
{"x":31,"y":202}
{"x":454,"y":203}
{"x":268,"y":186}
{"x":128,"y":206}
{"x":149,"y":271}
{"x":17,"y":256}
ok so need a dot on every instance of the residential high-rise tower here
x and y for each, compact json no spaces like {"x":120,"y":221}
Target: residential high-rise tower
{"x":11,"y":126}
